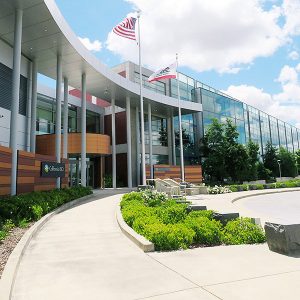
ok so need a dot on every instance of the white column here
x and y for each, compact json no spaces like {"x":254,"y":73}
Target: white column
{"x":137,"y":127}
{"x":173,"y":141}
{"x":58,"y":114}
{"x":113,"y":143}
{"x":128,"y":126}
{"x":66,"y":118}
{"x":83,"y":129}
{"x":15,"y":98}
{"x":150,"y":140}
{"x":170,"y":142}
{"x":28,"y":106}
{"x":33,"y":107}
{"x":180,"y":126}
{"x":143,"y":163}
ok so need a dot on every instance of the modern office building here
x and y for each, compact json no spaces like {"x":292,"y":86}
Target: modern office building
{"x":91,"y":121}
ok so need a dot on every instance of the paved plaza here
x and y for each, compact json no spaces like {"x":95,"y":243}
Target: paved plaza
{"x":82,"y":254}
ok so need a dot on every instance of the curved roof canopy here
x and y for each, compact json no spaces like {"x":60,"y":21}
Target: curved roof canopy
{"x":46,"y":34}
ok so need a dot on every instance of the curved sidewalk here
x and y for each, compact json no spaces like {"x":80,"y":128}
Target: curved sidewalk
{"x":82,"y":254}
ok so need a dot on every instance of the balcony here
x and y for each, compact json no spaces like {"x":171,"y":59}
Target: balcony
{"x":97,"y":144}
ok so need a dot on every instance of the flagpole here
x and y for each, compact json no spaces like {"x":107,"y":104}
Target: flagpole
{"x":180,"y":125}
{"x":143,"y":162}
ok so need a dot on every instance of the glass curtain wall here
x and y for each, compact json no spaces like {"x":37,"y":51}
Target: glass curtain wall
{"x":223,"y":108}
{"x":282,"y":135}
{"x":289,"y":137}
{"x":274,"y":131}
{"x":46,"y":111}
{"x":156,"y":86}
{"x":265,"y":129}
{"x":159,"y":131}
{"x":188,"y":136}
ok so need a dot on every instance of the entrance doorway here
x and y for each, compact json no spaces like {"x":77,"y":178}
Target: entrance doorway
{"x":93,"y":170}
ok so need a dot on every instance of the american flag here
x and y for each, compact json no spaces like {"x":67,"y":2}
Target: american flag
{"x":126,"y":28}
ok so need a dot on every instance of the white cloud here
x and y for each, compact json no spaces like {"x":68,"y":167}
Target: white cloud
{"x":288,"y":74}
{"x":209,"y":35}
{"x":294,"y":55}
{"x":291,"y":11}
{"x":250,"y":95}
{"x":284,"y":105}
{"x":95,"y":46}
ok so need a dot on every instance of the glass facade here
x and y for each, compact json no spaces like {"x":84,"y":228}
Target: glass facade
{"x":156,"y":86}
{"x":188,"y":136}
{"x":223,"y":108}
{"x":159,"y":131}
{"x":274,"y":132}
{"x":252,"y":124}
{"x":281,"y":133}
{"x":46,"y":113}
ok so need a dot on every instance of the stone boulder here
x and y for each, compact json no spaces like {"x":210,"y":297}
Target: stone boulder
{"x":283,"y":239}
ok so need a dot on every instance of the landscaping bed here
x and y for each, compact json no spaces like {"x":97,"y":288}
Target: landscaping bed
{"x":18,"y":213}
{"x":294,"y":183}
{"x":170,"y":226}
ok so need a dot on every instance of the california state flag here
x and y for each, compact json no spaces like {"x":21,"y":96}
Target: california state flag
{"x":166,"y":73}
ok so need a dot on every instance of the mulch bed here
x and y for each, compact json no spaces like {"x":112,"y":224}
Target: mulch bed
{"x":7,"y":246}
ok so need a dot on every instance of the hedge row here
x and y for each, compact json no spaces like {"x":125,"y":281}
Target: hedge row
{"x":32,"y":206}
{"x":276,"y":185}
{"x":170,"y":226}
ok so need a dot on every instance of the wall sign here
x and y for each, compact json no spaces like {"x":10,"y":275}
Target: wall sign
{"x":53,"y":169}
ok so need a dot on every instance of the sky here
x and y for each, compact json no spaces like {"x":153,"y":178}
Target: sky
{"x":248,"y":49}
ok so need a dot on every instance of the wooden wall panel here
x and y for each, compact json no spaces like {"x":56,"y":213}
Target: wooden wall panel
{"x":5,"y":170}
{"x":29,"y":168}
{"x":193,"y":174}
{"x":95,"y":144}
{"x":29,"y":173}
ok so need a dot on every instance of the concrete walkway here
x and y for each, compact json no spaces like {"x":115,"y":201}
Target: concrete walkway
{"x":82,"y":254}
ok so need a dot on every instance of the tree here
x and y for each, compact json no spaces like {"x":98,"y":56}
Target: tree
{"x":253,"y":160}
{"x":270,"y":159}
{"x":297,"y":154}
{"x":235,"y":154}
{"x":262,"y":172}
{"x":287,"y":163}
{"x":213,"y":151}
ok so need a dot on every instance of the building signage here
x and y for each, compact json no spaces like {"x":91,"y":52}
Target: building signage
{"x":53,"y":169}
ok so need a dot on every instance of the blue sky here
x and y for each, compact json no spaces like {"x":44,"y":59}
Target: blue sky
{"x":249,"y":49}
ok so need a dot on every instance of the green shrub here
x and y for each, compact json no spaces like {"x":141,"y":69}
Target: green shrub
{"x":242,"y":231}
{"x":202,"y":213}
{"x":259,"y":186}
{"x":140,"y":223}
{"x":169,"y":237}
{"x":233,"y":188}
{"x":280,"y":185}
{"x":37,"y":212}
{"x":23,"y":223}
{"x":131,"y":197}
{"x":252,"y":187}
{"x":19,"y":207}
{"x":245,"y":187}
{"x":108,"y":181}
{"x":135,"y":210}
{"x":153,"y":198}
{"x":3,"y":235}
{"x":171,"y":214}
{"x":8,"y":226}
{"x":207,"y":232}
